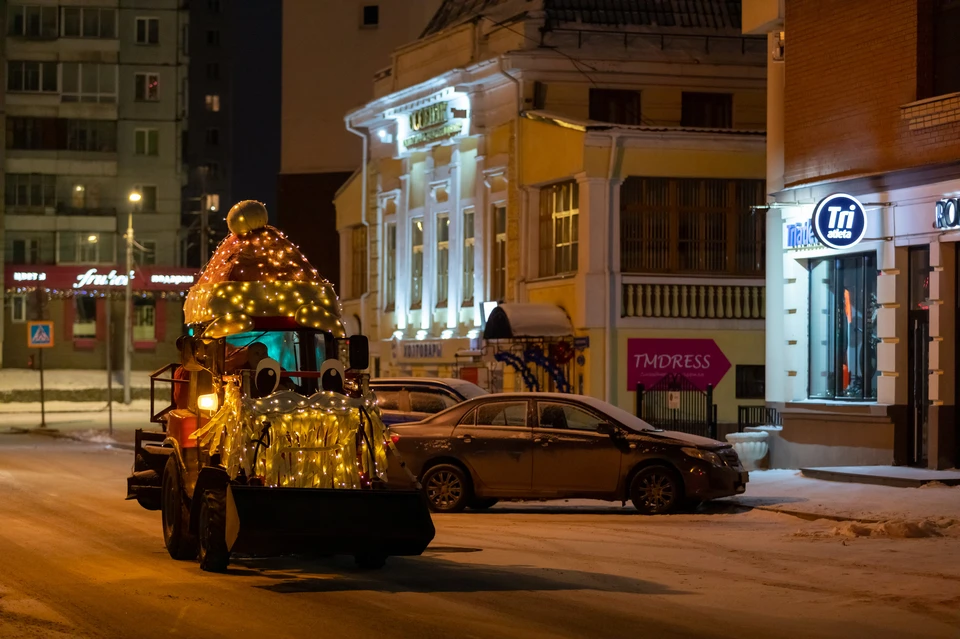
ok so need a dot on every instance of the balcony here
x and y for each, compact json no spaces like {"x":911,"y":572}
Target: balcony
{"x":63,"y":209}
{"x":690,"y":299}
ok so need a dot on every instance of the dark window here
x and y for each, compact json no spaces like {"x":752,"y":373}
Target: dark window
{"x":559,"y":228}
{"x":539,"y":95}
{"x":502,"y":414}
{"x":148,"y":30}
{"x":750,"y":381}
{"x":60,"y":134}
{"x":213,"y":6}
{"x":213,"y":37}
{"x":26,"y":251}
{"x":212,"y":169}
{"x":843,"y":327}
{"x":213,"y":137}
{"x":707,"y":110}
{"x":938,"y":48}
{"x":498,"y":275}
{"x":371,"y":15}
{"x":33,"y":21}
{"x":615,"y":106}
{"x":32,"y":76}
{"x":691,"y":225}
{"x":213,"y":70}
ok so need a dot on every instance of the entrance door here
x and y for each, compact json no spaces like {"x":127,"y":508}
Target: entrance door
{"x":918,"y":351}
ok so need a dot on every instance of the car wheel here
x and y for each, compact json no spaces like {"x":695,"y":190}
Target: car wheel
{"x":656,"y":490}
{"x":214,"y":555}
{"x":447,"y":488}
{"x":482,"y":504}
{"x":175,"y":515}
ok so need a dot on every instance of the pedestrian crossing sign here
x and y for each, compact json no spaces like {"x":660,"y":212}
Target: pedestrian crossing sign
{"x":40,"y":334}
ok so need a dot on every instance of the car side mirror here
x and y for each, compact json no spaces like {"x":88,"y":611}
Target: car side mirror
{"x":606,"y":428}
{"x":358,"y":348}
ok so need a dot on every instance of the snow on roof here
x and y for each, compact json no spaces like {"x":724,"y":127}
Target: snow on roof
{"x":527,"y":320}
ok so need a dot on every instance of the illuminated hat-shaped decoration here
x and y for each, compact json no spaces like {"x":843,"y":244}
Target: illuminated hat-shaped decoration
{"x":257,"y":272}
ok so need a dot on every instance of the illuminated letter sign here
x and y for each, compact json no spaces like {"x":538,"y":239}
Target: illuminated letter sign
{"x":947,"y":213}
{"x":800,"y":235}
{"x":839,"y":221}
{"x":93,"y":278}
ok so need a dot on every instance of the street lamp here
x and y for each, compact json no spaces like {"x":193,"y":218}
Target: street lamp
{"x":134,"y":198}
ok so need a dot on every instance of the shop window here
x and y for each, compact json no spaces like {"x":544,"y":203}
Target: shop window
{"x":84,"y":317}
{"x":144,"y":319}
{"x":370,"y":16}
{"x":498,"y":270}
{"x":31,"y":77}
{"x":146,"y":87}
{"x":615,"y":106}
{"x":26,"y":251}
{"x":30,"y":191}
{"x":88,"y":82}
{"x":148,"y":30}
{"x":390,"y":268}
{"x":18,"y":308}
{"x":146,"y":141}
{"x":750,"y":381}
{"x":843,"y":327}
{"x":692,"y":225}
{"x":443,"y":258}
{"x":469,"y":236}
{"x":416,"y":263}
{"x":706,"y":110}
{"x":212,"y":102}
{"x":358,"y":255}
{"x":89,"y":22}
{"x":559,"y":231}
{"x":32,"y":21}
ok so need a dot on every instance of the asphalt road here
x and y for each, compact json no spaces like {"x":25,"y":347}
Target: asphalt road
{"x":76,"y":560}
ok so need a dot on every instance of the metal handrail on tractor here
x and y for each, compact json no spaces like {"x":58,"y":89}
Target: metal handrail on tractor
{"x":157,"y":417}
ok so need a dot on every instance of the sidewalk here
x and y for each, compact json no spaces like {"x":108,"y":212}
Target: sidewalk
{"x":22,"y":385}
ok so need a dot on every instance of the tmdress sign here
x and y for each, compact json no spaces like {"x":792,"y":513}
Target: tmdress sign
{"x":699,"y":360}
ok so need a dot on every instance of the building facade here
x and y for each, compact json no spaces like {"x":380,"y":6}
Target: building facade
{"x":317,"y":153}
{"x":861,"y":319}
{"x":94,"y":111}
{"x":556,"y":200}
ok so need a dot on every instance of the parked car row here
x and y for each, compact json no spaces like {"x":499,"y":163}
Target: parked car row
{"x":471,"y":449}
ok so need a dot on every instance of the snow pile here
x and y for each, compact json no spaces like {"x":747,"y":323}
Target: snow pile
{"x":92,"y":436}
{"x":901,"y":528}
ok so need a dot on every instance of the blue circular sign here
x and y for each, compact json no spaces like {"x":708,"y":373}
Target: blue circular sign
{"x":839,"y":221}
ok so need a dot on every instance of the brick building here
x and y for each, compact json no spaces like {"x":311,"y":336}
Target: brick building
{"x":863,"y":164}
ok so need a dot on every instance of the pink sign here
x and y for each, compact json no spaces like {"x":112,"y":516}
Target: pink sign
{"x":699,"y":360}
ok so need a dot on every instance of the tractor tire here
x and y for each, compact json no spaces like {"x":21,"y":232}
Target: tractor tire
{"x":482,"y":504}
{"x":656,"y":490}
{"x":175,"y":514}
{"x":214,"y":555}
{"x":371,"y":561}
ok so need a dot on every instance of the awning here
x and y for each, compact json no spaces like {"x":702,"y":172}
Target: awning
{"x":508,"y":321}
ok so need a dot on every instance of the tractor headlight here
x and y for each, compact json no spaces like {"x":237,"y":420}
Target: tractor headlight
{"x":705,"y":455}
{"x":208,"y":402}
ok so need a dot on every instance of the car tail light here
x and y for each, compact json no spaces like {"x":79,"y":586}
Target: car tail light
{"x":394,"y":437}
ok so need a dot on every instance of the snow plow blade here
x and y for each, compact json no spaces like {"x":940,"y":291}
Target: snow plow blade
{"x":278,"y":521}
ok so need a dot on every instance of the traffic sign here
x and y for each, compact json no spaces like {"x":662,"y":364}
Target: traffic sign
{"x":40,"y":334}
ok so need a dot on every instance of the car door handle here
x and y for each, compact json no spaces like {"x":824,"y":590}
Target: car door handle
{"x":542,"y":442}
{"x":466,"y":438}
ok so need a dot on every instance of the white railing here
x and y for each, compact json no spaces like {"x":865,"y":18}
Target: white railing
{"x":697,"y":301}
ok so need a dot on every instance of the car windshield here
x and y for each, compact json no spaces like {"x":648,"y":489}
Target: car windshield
{"x":625,"y":418}
{"x":285,"y":347}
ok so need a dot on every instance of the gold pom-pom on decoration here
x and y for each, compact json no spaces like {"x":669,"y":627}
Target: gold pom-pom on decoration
{"x":247,"y":216}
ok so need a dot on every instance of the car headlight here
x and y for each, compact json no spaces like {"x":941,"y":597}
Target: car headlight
{"x":705,"y":455}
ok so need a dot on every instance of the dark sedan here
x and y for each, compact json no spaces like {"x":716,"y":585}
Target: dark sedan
{"x":551,"y":445}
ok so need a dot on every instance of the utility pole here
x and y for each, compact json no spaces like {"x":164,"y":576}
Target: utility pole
{"x":128,"y":302}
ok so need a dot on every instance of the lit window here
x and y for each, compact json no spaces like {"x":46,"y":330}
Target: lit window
{"x":468,"y":257}
{"x":213,"y":202}
{"x":148,"y":30}
{"x":443,"y":258}
{"x":498,"y":270}
{"x":84,"y":317}
{"x":416,"y":262}
{"x":84,"y":247}
{"x":559,"y":231}
{"x":147,"y":87}
{"x":147,"y":141}
{"x":144,"y":319}
{"x":212,"y":102}
{"x":390,"y":288}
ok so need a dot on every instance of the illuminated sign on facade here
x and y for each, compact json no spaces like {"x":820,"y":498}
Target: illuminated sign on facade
{"x":801,"y":235}
{"x":61,"y":277}
{"x":94,"y":278}
{"x":948,"y":214}
{"x":446,"y":118}
{"x":839,"y":221}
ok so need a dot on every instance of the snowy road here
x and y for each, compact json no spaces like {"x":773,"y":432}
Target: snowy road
{"x":78,"y":561}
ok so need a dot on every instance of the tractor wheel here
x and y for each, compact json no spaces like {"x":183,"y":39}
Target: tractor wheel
{"x":175,"y":514}
{"x":214,"y":555}
{"x":370,"y":561}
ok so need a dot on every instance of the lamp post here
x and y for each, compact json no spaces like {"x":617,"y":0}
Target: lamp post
{"x":128,"y":301}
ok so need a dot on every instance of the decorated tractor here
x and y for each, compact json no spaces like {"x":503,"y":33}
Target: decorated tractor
{"x":271,"y":441}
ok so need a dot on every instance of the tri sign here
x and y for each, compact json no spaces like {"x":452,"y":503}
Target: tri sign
{"x":839,"y":221}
